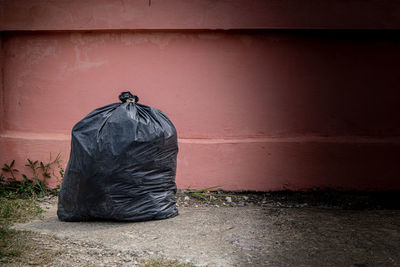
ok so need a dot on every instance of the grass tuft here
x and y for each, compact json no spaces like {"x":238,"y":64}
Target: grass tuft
{"x":18,"y":204}
{"x":18,"y":210}
{"x":13,"y":244}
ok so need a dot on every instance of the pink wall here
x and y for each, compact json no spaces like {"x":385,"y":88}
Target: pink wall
{"x":198,"y":14}
{"x":1,"y":85}
{"x":254,"y":109}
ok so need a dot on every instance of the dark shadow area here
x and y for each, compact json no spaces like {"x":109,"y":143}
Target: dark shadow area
{"x":338,"y":199}
{"x":322,"y":198}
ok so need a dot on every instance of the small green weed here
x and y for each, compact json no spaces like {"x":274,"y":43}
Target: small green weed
{"x":34,"y":185}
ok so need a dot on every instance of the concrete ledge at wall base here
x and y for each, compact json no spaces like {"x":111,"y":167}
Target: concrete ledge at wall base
{"x":261,"y":164}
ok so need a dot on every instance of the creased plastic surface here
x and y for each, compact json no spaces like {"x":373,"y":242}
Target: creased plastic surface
{"x":122,"y":166}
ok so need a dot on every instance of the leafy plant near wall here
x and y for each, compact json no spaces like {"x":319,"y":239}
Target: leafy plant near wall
{"x":34,"y":184}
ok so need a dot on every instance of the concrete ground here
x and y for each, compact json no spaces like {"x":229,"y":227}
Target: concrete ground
{"x":251,"y":235}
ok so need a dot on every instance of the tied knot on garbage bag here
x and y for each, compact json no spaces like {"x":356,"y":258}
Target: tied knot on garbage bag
{"x":128,"y":97}
{"x":122,"y":165}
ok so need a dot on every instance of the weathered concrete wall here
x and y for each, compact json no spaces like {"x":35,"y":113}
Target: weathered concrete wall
{"x":254,"y":109}
{"x":198,"y":14}
{"x":1,"y":84}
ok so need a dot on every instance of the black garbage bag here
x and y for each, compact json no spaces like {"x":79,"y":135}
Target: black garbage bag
{"x":122,"y":165}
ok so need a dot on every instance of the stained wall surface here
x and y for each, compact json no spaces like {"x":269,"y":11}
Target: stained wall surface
{"x":256,"y":107}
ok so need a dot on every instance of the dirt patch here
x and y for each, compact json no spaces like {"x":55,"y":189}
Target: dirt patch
{"x":255,"y":234}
